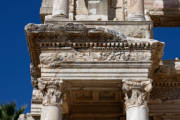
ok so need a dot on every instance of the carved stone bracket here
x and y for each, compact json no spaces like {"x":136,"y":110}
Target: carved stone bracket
{"x":136,"y":92}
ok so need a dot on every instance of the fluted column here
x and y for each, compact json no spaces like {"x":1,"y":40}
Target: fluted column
{"x":60,"y":8}
{"x":136,"y":10}
{"x":51,"y":109}
{"x":136,"y":92}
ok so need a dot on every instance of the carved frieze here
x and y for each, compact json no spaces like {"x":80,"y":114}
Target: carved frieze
{"x":55,"y":59}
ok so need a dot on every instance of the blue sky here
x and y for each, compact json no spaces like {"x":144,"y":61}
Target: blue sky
{"x":15,"y":83}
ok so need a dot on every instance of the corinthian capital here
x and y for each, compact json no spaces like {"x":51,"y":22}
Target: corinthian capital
{"x":52,"y":91}
{"x":52,"y":95}
{"x":136,"y":92}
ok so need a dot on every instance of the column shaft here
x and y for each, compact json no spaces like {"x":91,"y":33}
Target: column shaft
{"x":51,"y":112}
{"x":137,"y":113}
{"x":60,"y":8}
{"x":136,"y":10}
{"x":136,"y":92}
{"x":51,"y":109}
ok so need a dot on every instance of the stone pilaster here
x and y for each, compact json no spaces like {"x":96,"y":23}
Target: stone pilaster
{"x":60,"y":8}
{"x":51,"y":109}
{"x":136,"y":10}
{"x":35,"y":74}
{"x":136,"y":92}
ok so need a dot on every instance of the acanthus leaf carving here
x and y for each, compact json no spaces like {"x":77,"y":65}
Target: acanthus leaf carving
{"x":52,"y":91}
{"x":136,"y":92}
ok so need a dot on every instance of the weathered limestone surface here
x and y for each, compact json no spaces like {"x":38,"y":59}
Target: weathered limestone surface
{"x":135,"y":10}
{"x":97,"y":59}
{"x":52,"y":91}
{"x":162,"y":12}
{"x":26,"y":117}
{"x":122,"y":57}
{"x":60,"y":8}
{"x":136,"y":93}
{"x":92,"y":10}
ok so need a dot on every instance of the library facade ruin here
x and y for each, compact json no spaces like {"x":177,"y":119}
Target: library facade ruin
{"x":97,"y":60}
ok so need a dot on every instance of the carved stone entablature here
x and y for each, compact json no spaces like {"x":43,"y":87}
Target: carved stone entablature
{"x":90,"y":44}
{"x":136,"y":92}
{"x":79,"y":33}
{"x":52,"y":91}
{"x":53,"y":60}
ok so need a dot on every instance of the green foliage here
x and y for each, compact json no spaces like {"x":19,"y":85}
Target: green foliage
{"x":9,"y":111}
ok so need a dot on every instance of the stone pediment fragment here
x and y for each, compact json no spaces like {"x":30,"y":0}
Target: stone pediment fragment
{"x":74,"y":29}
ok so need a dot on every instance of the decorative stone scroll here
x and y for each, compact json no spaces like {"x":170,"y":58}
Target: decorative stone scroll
{"x":136,"y":92}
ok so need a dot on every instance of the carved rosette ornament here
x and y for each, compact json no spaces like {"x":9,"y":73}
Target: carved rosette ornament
{"x":136,"y":92}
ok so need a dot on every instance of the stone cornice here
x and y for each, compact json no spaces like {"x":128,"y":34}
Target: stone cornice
{"x":80,"y":36}
{"x":45,"y":37}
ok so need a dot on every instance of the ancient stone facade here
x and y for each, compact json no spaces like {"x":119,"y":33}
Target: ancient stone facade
{"x":97,"y":59}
